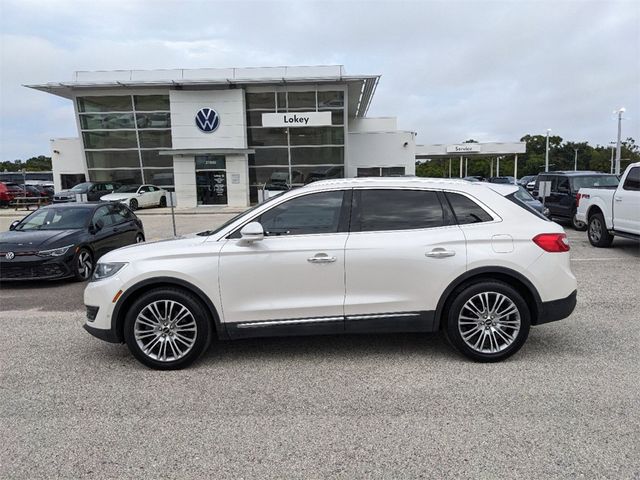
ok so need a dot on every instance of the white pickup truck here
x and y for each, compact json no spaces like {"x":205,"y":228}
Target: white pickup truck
{"x":612,"y":212}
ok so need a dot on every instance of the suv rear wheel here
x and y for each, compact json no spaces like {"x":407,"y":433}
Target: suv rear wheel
{"x":488,"y":321}
{"x":578,"y":225}
{"x":167,"y":328}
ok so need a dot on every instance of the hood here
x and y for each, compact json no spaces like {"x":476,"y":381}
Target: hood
{"x":174,"y":247}
{"x":118,"y":196}
{"x":30,"y":240}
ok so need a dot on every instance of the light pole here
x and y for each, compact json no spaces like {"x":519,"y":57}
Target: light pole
{"x":575,"y":160}
{"x":612,"y":146}
{"x":618,"y":145}
{"x":546,"y":153}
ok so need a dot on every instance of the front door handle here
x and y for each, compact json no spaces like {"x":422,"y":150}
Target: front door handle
{"x":321,"y":258}
{"x":440,"y":253}
{"x":618,"y":199}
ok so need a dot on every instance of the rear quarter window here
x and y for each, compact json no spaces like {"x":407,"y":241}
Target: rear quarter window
{"x":632,"y":182}
{"x":466,"y":210}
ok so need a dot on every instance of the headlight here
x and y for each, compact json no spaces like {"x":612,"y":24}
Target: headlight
{"x":105,"y":270}
{"x":54,"y":252}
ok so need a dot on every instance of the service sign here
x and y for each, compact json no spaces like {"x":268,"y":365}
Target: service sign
{"x":463,"y":148}
{"x":296,"y":119}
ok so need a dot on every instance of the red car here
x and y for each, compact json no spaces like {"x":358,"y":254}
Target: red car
{"x":9,"y":191}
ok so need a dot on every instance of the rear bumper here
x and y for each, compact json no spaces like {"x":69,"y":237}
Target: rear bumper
{"x":556,"y":309}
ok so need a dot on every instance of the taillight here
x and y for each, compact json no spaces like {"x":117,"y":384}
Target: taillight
{"x":552,"y":242}
{"x":579,"y":196}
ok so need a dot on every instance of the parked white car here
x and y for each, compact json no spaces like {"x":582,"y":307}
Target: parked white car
{"x":343,"y":256}
{"x":138,"y":196}
{"x":612,"y":212}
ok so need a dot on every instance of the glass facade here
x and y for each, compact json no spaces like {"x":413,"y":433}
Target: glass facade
{"x":123,"y":136}
{"x":302,"y":154}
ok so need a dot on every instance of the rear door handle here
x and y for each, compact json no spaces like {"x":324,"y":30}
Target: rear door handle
{"x":440,"y":253}
{"x":321,"y":258}
{"x":618,"y":199}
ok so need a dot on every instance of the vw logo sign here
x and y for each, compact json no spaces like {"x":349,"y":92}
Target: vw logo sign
{"x":207,"y":120}
{"x":9,"y":255}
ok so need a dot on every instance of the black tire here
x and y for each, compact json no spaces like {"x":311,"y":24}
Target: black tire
{"x":598,"y":234}
{"x":487,"y":328}
{"x":152,"y":358}
{"x":163,"y":202}
{"x":83,"y":265}
{"x":577,"y":225}
{"x":133,"y":204}
{"x":139,"y":238}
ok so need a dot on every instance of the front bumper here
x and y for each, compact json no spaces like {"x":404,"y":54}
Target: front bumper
{"x":33,"y":267}
{"x":106,"y":335}
{"x":557,"y":309}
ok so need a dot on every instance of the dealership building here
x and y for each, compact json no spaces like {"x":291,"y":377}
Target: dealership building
{"x":217,"y":136}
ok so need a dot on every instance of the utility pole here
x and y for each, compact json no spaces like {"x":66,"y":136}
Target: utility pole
{"x":618,"y":145}
{"x":575,"y":160}
{"x":546,"y":153}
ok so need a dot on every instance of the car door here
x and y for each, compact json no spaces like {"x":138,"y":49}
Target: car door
{"x":124,"y":225}
{"x":626,"y":204}
{"x":402,"y":252}
{"x":145,"y":197}
{"x":102,"y":240}
{"x":292,"y":281}
{"x":562,"y":197}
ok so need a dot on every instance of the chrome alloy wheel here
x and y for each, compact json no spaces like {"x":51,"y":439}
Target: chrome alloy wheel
{"x":165,"y":330}
{"x":85,"y":265}
{"x":595,"y":230}
{"x":489,"y":322}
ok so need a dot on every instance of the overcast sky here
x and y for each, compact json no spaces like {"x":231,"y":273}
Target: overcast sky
{"x":451,"y":70}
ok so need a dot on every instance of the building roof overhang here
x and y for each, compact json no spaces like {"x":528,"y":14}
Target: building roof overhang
{"x":360,"y":87}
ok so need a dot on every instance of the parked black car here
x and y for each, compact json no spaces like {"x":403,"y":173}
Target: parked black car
{"x":93,"y":190}
{"x":60,"y":241}
{"x":564,"y":187}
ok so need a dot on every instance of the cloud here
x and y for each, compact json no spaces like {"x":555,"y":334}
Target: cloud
{"x":450,"y":70}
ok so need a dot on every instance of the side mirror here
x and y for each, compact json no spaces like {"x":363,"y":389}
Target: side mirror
{"x":252,"y":232}
{"x":14,"y":224}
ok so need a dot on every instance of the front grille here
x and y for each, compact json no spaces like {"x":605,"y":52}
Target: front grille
{"x":24,"y":272}
{"x":92,"y":312}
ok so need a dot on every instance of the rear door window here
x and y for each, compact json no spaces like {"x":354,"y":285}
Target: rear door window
{"x":383,"y":210}
{"x":466,"y":210}
{"x":632,"y":182}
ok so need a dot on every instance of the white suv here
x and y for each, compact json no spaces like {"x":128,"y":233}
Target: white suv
{"x":343,"y":256}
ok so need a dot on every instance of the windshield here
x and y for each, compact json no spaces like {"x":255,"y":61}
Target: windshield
{"x":595,"y":181}
{"x":128,"y":189}
{"x":81,"y":187}
{"x":56,"y":219}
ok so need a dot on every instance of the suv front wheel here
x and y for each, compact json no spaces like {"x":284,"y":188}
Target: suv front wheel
{"x":488,"y":321}
{"x":167,"y":328}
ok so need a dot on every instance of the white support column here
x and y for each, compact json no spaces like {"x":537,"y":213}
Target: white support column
{"x":515,"y":170}
{"x":466,"y":167}
{"x":460,"y":167}
{"x":491,"y":163}
{"x":449,"y":167}
{"x":497,"y":166}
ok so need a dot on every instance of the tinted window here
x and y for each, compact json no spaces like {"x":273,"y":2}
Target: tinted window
{"x":595,"y":181}
{"x":466,"y":210}
{"x":377,"y":210}
{"x":315,"y":213}
{"x":120,"y":213}
{"x":104,"y":214}
{"x":562,"y":185}
{"x":632,"y":181}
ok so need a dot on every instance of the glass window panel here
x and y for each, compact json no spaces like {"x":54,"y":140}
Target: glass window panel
{"x":254,"y":119}
{"x":153,"y":120}
{"x":392,"y":171}
{"x":106,"y":121}
{"x":282,"y":101}
{"x":210,"y":162}
{"x":267,"y":136}
{"x":120,"y":176}
{"x":369,"y":172}
{"x":317,"y":156}
{"x":632,"y":182}
{"x":147,"y":103}
{"x":113,"y":159}
{"x":337,"y":116}
{"x":330,"y":99}
{"x":159,"y":177}
{"x":377,"y":210}
{"x":262,"y":175}
{"x":265,"y":100}
{"x":315,"y":213}
{"x":466,"y":210}
{"x":317,"y":135}
{"x":269,"y":156}
{"x":114,"y":103}
{"x":155,"y":138}
{"x":301,"y":100}
{"x":304,"y":175}
{"x":152,"y":158}
{"x":110,"y":139}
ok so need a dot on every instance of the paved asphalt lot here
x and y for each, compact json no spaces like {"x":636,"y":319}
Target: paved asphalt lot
{"x":388,"y":406}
